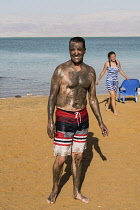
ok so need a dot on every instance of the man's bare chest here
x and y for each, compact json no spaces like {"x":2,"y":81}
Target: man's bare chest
{"x":75,"y":79}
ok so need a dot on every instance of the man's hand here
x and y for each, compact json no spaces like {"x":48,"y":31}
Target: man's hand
{"x":51,"y":129}
{"x":104,"y":130}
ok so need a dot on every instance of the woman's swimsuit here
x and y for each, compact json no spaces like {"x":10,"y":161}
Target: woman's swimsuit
{"x":112,"y":78}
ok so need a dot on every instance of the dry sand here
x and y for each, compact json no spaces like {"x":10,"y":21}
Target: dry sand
{"x":110,"y":174}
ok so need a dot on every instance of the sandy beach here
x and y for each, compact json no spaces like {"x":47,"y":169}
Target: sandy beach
{"x":110,"y":174}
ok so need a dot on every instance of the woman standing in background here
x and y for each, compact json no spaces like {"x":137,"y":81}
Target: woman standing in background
{"x":112,"y":66}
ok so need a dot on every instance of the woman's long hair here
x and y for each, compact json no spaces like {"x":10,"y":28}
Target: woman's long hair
{"x":109,"y":54}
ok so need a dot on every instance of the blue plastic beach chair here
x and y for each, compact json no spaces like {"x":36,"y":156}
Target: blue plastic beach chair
{"x":129,"y":88}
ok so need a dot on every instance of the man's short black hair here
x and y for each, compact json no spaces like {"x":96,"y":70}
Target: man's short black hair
{"x":77,"y":39}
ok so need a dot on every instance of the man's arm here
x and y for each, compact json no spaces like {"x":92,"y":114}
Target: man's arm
{"x":94,"y":104}
{"x":55,"y":85}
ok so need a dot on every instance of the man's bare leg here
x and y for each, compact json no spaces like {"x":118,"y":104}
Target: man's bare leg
{"x":57,"y":171}
{"x":76,"y":172}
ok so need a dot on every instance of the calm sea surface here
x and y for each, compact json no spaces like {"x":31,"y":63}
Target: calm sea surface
{"x":27,"y":64}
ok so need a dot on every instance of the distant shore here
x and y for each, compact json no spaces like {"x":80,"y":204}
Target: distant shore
{"x":67,"y":36}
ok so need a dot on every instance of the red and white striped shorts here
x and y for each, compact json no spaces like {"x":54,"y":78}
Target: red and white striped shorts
{"x":71,"y":132}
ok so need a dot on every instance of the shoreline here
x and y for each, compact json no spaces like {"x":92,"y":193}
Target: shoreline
{"x":30,"y":96}
{"x":26,"y":96}
{"x":33,"y":96}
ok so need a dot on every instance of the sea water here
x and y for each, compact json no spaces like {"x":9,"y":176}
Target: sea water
{"x":27,"y":64}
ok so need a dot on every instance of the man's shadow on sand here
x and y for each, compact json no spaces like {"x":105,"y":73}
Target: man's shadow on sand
{"x":87,"y":158}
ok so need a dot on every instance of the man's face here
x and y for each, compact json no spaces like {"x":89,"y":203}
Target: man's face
{"x":77,"y":52}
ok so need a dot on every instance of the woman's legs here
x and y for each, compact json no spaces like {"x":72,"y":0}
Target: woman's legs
{"x":113,"y":101}
{"x":107,"y":104}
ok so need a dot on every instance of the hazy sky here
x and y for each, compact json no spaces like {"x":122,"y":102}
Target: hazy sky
{"x":65,"y":6}
{"x":69,"y":18}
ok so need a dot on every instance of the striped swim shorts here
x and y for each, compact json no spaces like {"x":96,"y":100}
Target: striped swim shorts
{"x":71,"y":132}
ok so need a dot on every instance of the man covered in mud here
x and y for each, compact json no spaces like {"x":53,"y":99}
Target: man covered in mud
{"x":69,"y":86}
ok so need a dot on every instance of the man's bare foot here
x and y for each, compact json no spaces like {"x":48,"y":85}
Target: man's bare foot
{"x":52,"y":198}
{"x":106,"y":107}
{"x":82,"y":198}
{"x":115,"y":113}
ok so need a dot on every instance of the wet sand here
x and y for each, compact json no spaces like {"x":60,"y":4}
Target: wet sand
{"x":110,"y":174}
